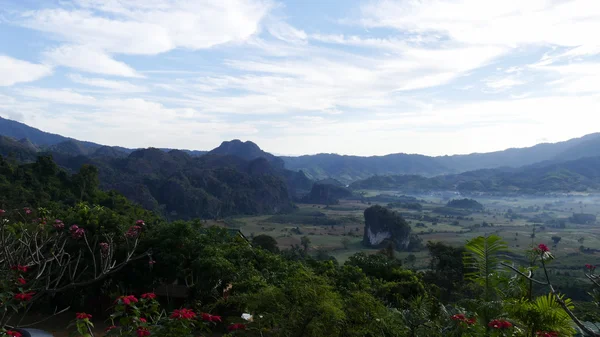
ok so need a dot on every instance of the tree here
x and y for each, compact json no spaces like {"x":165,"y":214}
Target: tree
{"x":345,"y":242}
{"x":581,"y":239}
{"x":305,"y":243}
{"x":410,"y":260}
{"x":265,"y":242}
{"x":556,"y":239}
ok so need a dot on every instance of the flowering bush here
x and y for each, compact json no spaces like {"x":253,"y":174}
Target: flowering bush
{"x":38,"y":259}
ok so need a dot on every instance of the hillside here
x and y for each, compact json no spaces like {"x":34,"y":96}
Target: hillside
{"x":180,"y":186}
{"x":571,"y":176}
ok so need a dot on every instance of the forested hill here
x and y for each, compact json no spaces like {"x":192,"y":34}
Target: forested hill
{"x":571,"y":176}
{"x":181,"y":186}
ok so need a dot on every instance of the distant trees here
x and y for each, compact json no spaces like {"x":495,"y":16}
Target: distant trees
{"x":305,"y":243}
{"x":556,"y":239}
{"x":465,"y":204}
{"x":265,"y":242}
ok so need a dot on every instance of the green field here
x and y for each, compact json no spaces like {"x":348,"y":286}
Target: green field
{"x":338,"y":229}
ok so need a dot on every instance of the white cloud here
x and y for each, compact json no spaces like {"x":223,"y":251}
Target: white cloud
{"x":287,"y":33}
{"x":151,"y":27}
{"x":14,"y":71}
{"x":117,"y":86}
{"x":503,"y":83}
{"x":86,"y":58}
{"x":510,"y":22}
{"x":61,"y":96}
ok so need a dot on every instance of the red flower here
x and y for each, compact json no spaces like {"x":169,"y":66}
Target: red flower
{"x":127,"y":300}
{"x":211,"y":318}
{"x":546,"y":334}
{"x":83,"y":315}
{"x":20,"y":268}
{"x":27,"y":210}
{"x":590,"y":266}
{"x":149,"y":296}
{"x":21,"y":281}
{"x":183,"y":314}
{"x":24,"y":296}
{"x":143,"y":320}
{"x":13,"y":333}
{"x":140,"y":222}
{"x":500,"y":324}
{"x":543,"y":248}
{"x":110,"y":328}
{"x":2,"y":212}
{"x":458,"y":317}
{"x":151,"y":262}
{"x":104,"y":246}
{"x":142,"y":332}
{"x":236,"y":326}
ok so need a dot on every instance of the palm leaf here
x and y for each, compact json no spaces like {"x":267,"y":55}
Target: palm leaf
{"x":482,"y":258}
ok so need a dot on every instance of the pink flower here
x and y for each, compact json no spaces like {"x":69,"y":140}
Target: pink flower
{"x":104,"y":248}
{"x":500,"y":324}
{"x":21,"y":281}
{"x":83,"y":315}
{"x":20,"y":268}
{"x":133,"y":232}
{"x":58,"y":225}
{"x":76,"y":232}
{"x":27,"y":210}
{"x":140,"y":222}
{"x":2,"y":212}
{"x":110,"y":328}
{"x":13,"y":333}
{"x":151,"y":262}
{"x":143,"y":320}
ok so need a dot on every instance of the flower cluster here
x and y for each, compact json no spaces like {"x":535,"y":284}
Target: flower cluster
{"x":140,"y":223}
{"x":83,"y":315}
{"x":236,"y":326}
{"x":20,"y":268}
{"x":546,"y":334}
{"x":464,"y":319}
{"x":542,"y":248}
{"x":27,"y":210}
{"x":149,"y":296}
{"x":21,"y":281}
{"x":500,"y":324}
{"x":13,"y":333}
{"x":104,"y":246}
{"x":590,"y":267}
{"x":24,"y":296}
{"x":211,"y":318}
{"x":142,"y":332}
{"x":76,"y":232}
{"x":183,"y":314}
{"x":133,"y":232}
{"x":127,"y":300}
{"x":58,"y":225}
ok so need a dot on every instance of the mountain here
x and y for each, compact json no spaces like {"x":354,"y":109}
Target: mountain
{"x":347,"y":169}
{"x":246,"y":150}
{"x":298,"y":183}
{"x":580,"y":175}
{"x":352,"y":168}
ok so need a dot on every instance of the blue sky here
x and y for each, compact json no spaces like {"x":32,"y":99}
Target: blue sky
{"x":363,"y":77}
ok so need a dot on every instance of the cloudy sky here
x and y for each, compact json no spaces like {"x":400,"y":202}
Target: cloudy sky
{"x":300,"y":77}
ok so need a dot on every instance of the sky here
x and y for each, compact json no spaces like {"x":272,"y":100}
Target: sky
{"x":362,"y":77}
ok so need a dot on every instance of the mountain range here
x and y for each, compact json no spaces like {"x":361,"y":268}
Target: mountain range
{"x":240,"y":178}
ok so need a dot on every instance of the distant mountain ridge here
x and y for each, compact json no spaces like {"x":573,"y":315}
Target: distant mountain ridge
{"x":580,"y":175}
{"x":345,"y":169}
{"x":348,"y":169}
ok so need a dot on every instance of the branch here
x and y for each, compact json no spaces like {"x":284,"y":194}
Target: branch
{"x":525,"y":276}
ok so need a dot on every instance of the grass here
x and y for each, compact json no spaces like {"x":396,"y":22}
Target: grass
{"x":326,"y":227}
